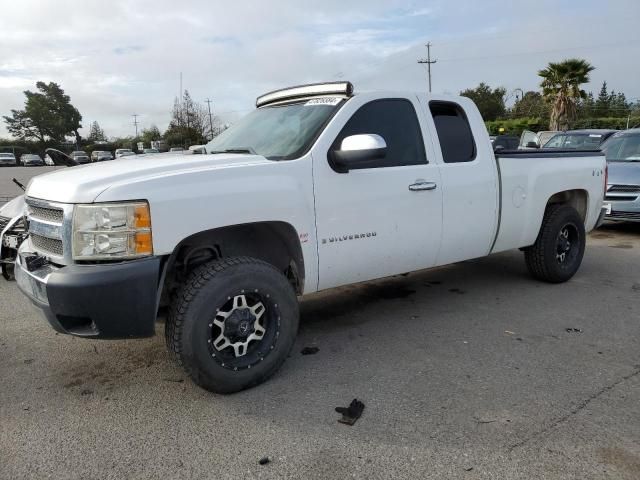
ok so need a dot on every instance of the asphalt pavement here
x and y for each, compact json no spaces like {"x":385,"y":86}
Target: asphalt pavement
{"x":469,"y":371}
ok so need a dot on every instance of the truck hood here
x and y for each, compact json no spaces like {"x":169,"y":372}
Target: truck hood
{"x":624,"y":173}
{"x":83,"y":184}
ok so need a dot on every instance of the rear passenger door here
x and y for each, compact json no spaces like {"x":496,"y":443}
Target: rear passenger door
{"x":469,"y":182}
{"x":373,"y":222}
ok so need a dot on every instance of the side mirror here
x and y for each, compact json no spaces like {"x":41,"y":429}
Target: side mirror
{"x":358,"y":151}
{"x":497,"y":148}
{"x":532,"y":145}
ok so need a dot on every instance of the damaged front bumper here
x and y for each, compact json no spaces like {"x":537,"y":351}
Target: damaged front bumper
{"x":115,"y":300}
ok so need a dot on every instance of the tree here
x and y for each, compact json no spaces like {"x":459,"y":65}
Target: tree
{"x":189,"y":123}
{"x":530,"y":105}
{"x":618,"y":105}
{"x":96,"y":134}
{"x":561,"y":88}
{"x":48,"y":115}
{"x":150,"y":134}
{"x":603,"y":102}
{"x":490,"y":102}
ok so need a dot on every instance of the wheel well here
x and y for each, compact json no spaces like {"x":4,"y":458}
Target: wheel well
{"x":274,"y":242}
{"x":578,"y":199}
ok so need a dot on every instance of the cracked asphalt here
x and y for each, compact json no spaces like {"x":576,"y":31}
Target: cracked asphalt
{"x":469,"y":371}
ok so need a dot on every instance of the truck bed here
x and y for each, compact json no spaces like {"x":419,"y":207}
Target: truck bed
{"x":528,"y":179}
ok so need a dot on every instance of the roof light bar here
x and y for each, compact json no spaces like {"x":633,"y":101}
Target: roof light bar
{"x":302,"y":91}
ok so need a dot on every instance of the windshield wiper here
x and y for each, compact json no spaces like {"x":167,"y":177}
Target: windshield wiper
{"x":236,"y":150}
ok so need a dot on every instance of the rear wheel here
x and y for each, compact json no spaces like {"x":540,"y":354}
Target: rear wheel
{"x":233,"y":323}
{"x":559,"y":248}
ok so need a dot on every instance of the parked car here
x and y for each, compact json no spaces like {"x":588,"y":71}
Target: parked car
{"x":505,"y":142}
{"x":7,"y":159}
{"x":101,"y":156}
{"x":579,"y":139}
{"x":317,"y":188}
{"x":123,"y":152}
{"x":623,"y":186}
{"x":80,"y":156}
{"x":150,"y":150}
{"x":31,"y":160}
{"x":531,"y":140}
{"x":197,"y":149}
{"x":176,"y":149}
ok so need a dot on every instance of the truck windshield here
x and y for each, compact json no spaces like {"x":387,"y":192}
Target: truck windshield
{"x":278,"y":132}
{"x":622,"y":148}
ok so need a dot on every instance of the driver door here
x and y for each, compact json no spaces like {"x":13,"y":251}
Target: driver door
{"x":379,"y":219}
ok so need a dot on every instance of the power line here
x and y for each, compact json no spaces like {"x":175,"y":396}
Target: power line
{"x":135,"y":122}
{"x":428,"y":61}
{"x":210,"y":117}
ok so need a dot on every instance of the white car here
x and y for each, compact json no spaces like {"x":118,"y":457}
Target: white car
{"x":7,"y":159}
{"x":123,"y":152}
{"x":317,"y":188}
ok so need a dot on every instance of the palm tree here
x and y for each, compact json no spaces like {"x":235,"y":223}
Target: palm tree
{"x":561,"y":88}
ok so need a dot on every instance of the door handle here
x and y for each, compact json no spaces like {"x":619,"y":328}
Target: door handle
{"x":420,"y":186}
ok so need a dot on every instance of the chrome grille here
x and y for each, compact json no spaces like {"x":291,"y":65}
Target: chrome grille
{"x":49,"y":226}
{"x":53,"y":215}
{"x":46,"y":245}
{"x":624,"y":188}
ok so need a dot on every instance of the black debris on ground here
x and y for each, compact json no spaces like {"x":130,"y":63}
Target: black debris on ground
{"x":573,"y":330}
{"x":174,"y":380}
{"x":86,"y":391}
{"x":264,"y":460}
{"x":309,"y":350}
{"x":351,"y":413}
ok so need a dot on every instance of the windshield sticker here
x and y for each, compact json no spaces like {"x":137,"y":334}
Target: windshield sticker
{"x":594,"y":135}
{"x":331,"y":102}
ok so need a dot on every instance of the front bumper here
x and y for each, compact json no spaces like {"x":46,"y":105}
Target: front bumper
{"x":624,"y":211}
{"x":117,"y":300}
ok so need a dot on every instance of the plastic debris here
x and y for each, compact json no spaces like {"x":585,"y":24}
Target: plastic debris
{"x":351,"y":413}
{"x":573,"y":330}
{"x":264,"y":460}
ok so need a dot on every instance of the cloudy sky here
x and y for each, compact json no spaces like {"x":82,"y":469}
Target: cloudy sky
{"x":119,"y":57}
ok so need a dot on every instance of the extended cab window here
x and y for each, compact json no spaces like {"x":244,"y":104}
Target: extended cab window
{"x":454,"y":132}
{"x":394,"y":120}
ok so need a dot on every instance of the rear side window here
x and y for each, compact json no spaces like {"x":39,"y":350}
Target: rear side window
{"x":454,"y":132}
{"x":394,"y":120}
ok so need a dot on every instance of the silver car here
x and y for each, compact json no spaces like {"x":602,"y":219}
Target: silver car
{"x":623,"y":186}
{"x":7,"y":159}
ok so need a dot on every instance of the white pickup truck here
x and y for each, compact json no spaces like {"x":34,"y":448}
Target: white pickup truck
{"x":318,"y":187}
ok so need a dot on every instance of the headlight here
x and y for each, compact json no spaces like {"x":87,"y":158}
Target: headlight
{"x":111,"y":231}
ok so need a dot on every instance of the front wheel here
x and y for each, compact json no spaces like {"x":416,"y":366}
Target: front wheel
{"x":233,"y":323}
{"x":559,"y":248}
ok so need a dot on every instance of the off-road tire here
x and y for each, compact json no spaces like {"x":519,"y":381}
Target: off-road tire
{"x":541,"y":257}
{"x":207,"y":288}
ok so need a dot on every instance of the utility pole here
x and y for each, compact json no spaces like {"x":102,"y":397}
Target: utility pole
{"x":135,"y":122}
{"x":210,"y":117}
{"x":428,"y":61}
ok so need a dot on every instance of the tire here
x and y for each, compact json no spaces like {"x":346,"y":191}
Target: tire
{"x":559,"y":248}
{"x":217,"y":330}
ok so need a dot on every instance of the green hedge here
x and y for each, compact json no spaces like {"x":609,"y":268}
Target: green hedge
{"x":515,"y":126}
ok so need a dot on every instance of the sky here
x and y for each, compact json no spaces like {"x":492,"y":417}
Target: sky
{"x":119,"y":57}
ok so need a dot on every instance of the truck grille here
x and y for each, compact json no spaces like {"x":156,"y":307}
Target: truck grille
{"x":47,"y":224}
{"x":624,"y":188}
{"x":52,"y":215}
{"x":622,"y":193}
{"x":46,"y":245}
{"x":4,"y":221}
{"x":634,"y":216}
